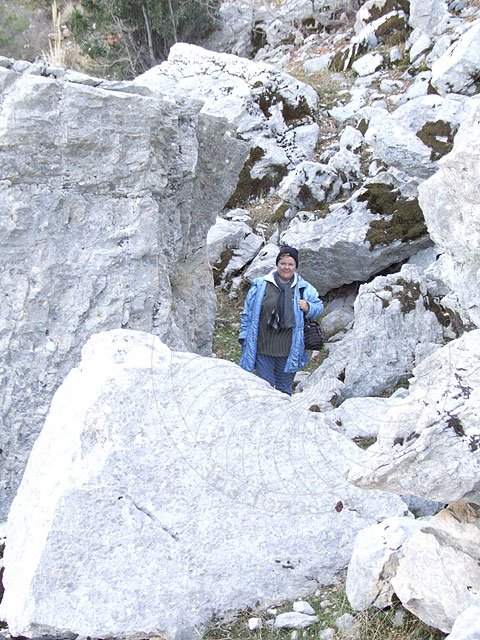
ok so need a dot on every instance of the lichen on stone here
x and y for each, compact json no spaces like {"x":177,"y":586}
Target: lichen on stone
{"x":407,"y":292}
{"x":455,"y":423}
{"x":401,"y":219}
{"x":448,"y":317}
{"x":393,"y":26}
{"x":249,"y":188}
{"x":438,"y":136}
{"x":388,"y":6}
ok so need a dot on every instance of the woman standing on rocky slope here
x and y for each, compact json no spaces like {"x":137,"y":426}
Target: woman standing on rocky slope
{"x":271,"y":324}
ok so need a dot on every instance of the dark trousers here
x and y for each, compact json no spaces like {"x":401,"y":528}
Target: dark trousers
{"x":271,"y":369}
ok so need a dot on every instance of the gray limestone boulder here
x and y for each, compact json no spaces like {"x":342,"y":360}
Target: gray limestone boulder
{"x":430,"y":564}
{"x":106,"y":200}
{"x":427,"y":14}
{"x":467,"y":625}
{"x":394,"y":329}
{"x":379,"y":225}
{"x":417,"y":134}
{"x":170,"y":489}
{"x":231,"y":244}
{"x":374,"y":562}
{"x":438,"y":574}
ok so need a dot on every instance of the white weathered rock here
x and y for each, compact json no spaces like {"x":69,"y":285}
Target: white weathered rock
{"x":106,"y":200}
{"x":319,"y":63}
{"x":294,"y":620}
{"x":278,"y":32}
{"x":430,"y":564}
{"x":368,"y":64}
{"x":224,"y":235}
{"x":335,"y":250}
{"x":312,"y":184}
{"x":393,"y":331}
{"x":302,"y":11}
{"x":348,"y":113}
{"x":143,"y":476}
{"x":231,"y":244}
{"x":457,"y":70}
{"x":236,"y":20}
{"x":417,"y":89}
{"x":435,"y":431}
{"x":467,"y":625}
{"x":254,"y":624}
{"x":351,"y":139}
{"x":450,"y":201}
{"x":426,"y":14}
{"x":374,"y":562}
{"x":301,"y":606}
{"x":438,"y":575}
{"x":337,"y":315}
{"x":418,"y":133}
{"x":371,"y":10}
{"x":364,"y":417}
{"x":420,"y":46}
{"x":345,"y":622}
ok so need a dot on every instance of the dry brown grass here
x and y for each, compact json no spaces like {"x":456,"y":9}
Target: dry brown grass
{"x":329,"y":604}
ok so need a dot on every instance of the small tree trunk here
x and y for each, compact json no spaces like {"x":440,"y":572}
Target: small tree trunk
{"x":148,"y":26}
{"x":174,"y":23}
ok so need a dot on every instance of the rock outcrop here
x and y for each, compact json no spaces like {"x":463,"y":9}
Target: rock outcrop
{"x":270,"y":110}
{"x":107,"y":195}
{"x":450,"y":200}
{"x":171,"y":488}
{"x":431,"y":565}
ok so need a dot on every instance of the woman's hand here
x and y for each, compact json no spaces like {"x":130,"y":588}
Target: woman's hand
{"x":304,"y":306}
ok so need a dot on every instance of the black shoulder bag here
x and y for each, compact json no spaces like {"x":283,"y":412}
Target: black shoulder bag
{"x":312,"y":332}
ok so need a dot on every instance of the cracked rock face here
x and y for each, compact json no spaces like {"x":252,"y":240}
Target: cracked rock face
{"x":156,"y":513}
{"x":429,"y":446}
{"x":106,"y":195}
{"x":450,"y":202}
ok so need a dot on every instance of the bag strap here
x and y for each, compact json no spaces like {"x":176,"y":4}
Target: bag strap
{"x":301,"y":290}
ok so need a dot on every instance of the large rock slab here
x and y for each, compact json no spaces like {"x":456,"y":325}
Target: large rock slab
{"x":438,"y":574}
{"x":375,"y":560}
{"x":169,"y":489}
{"x":394,"y":329}
{"x":450,"y":201}
{"x":106,"y":200}
{"x":467,"y":625}
{"x":427,"y":14}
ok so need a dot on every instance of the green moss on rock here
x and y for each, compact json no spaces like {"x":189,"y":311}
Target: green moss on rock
{"x":438,"y":136}
{"x":401,"y":219}
{"x":344,"y":58}
{"x":388,"y":6}
{"x":408,"y":294}
{"x":393,"y":29}
{"x":248,"y":187}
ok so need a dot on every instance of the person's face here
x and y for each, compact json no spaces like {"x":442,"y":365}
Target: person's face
{"x":286,"y":267}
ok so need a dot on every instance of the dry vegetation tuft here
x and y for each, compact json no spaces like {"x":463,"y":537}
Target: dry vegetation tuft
{"x":330,"y":604}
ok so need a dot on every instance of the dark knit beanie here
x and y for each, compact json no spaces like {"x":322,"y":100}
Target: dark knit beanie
{"x":288,"y":251}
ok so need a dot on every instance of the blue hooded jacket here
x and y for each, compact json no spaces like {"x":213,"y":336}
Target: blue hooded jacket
{"x":250,"y":317}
